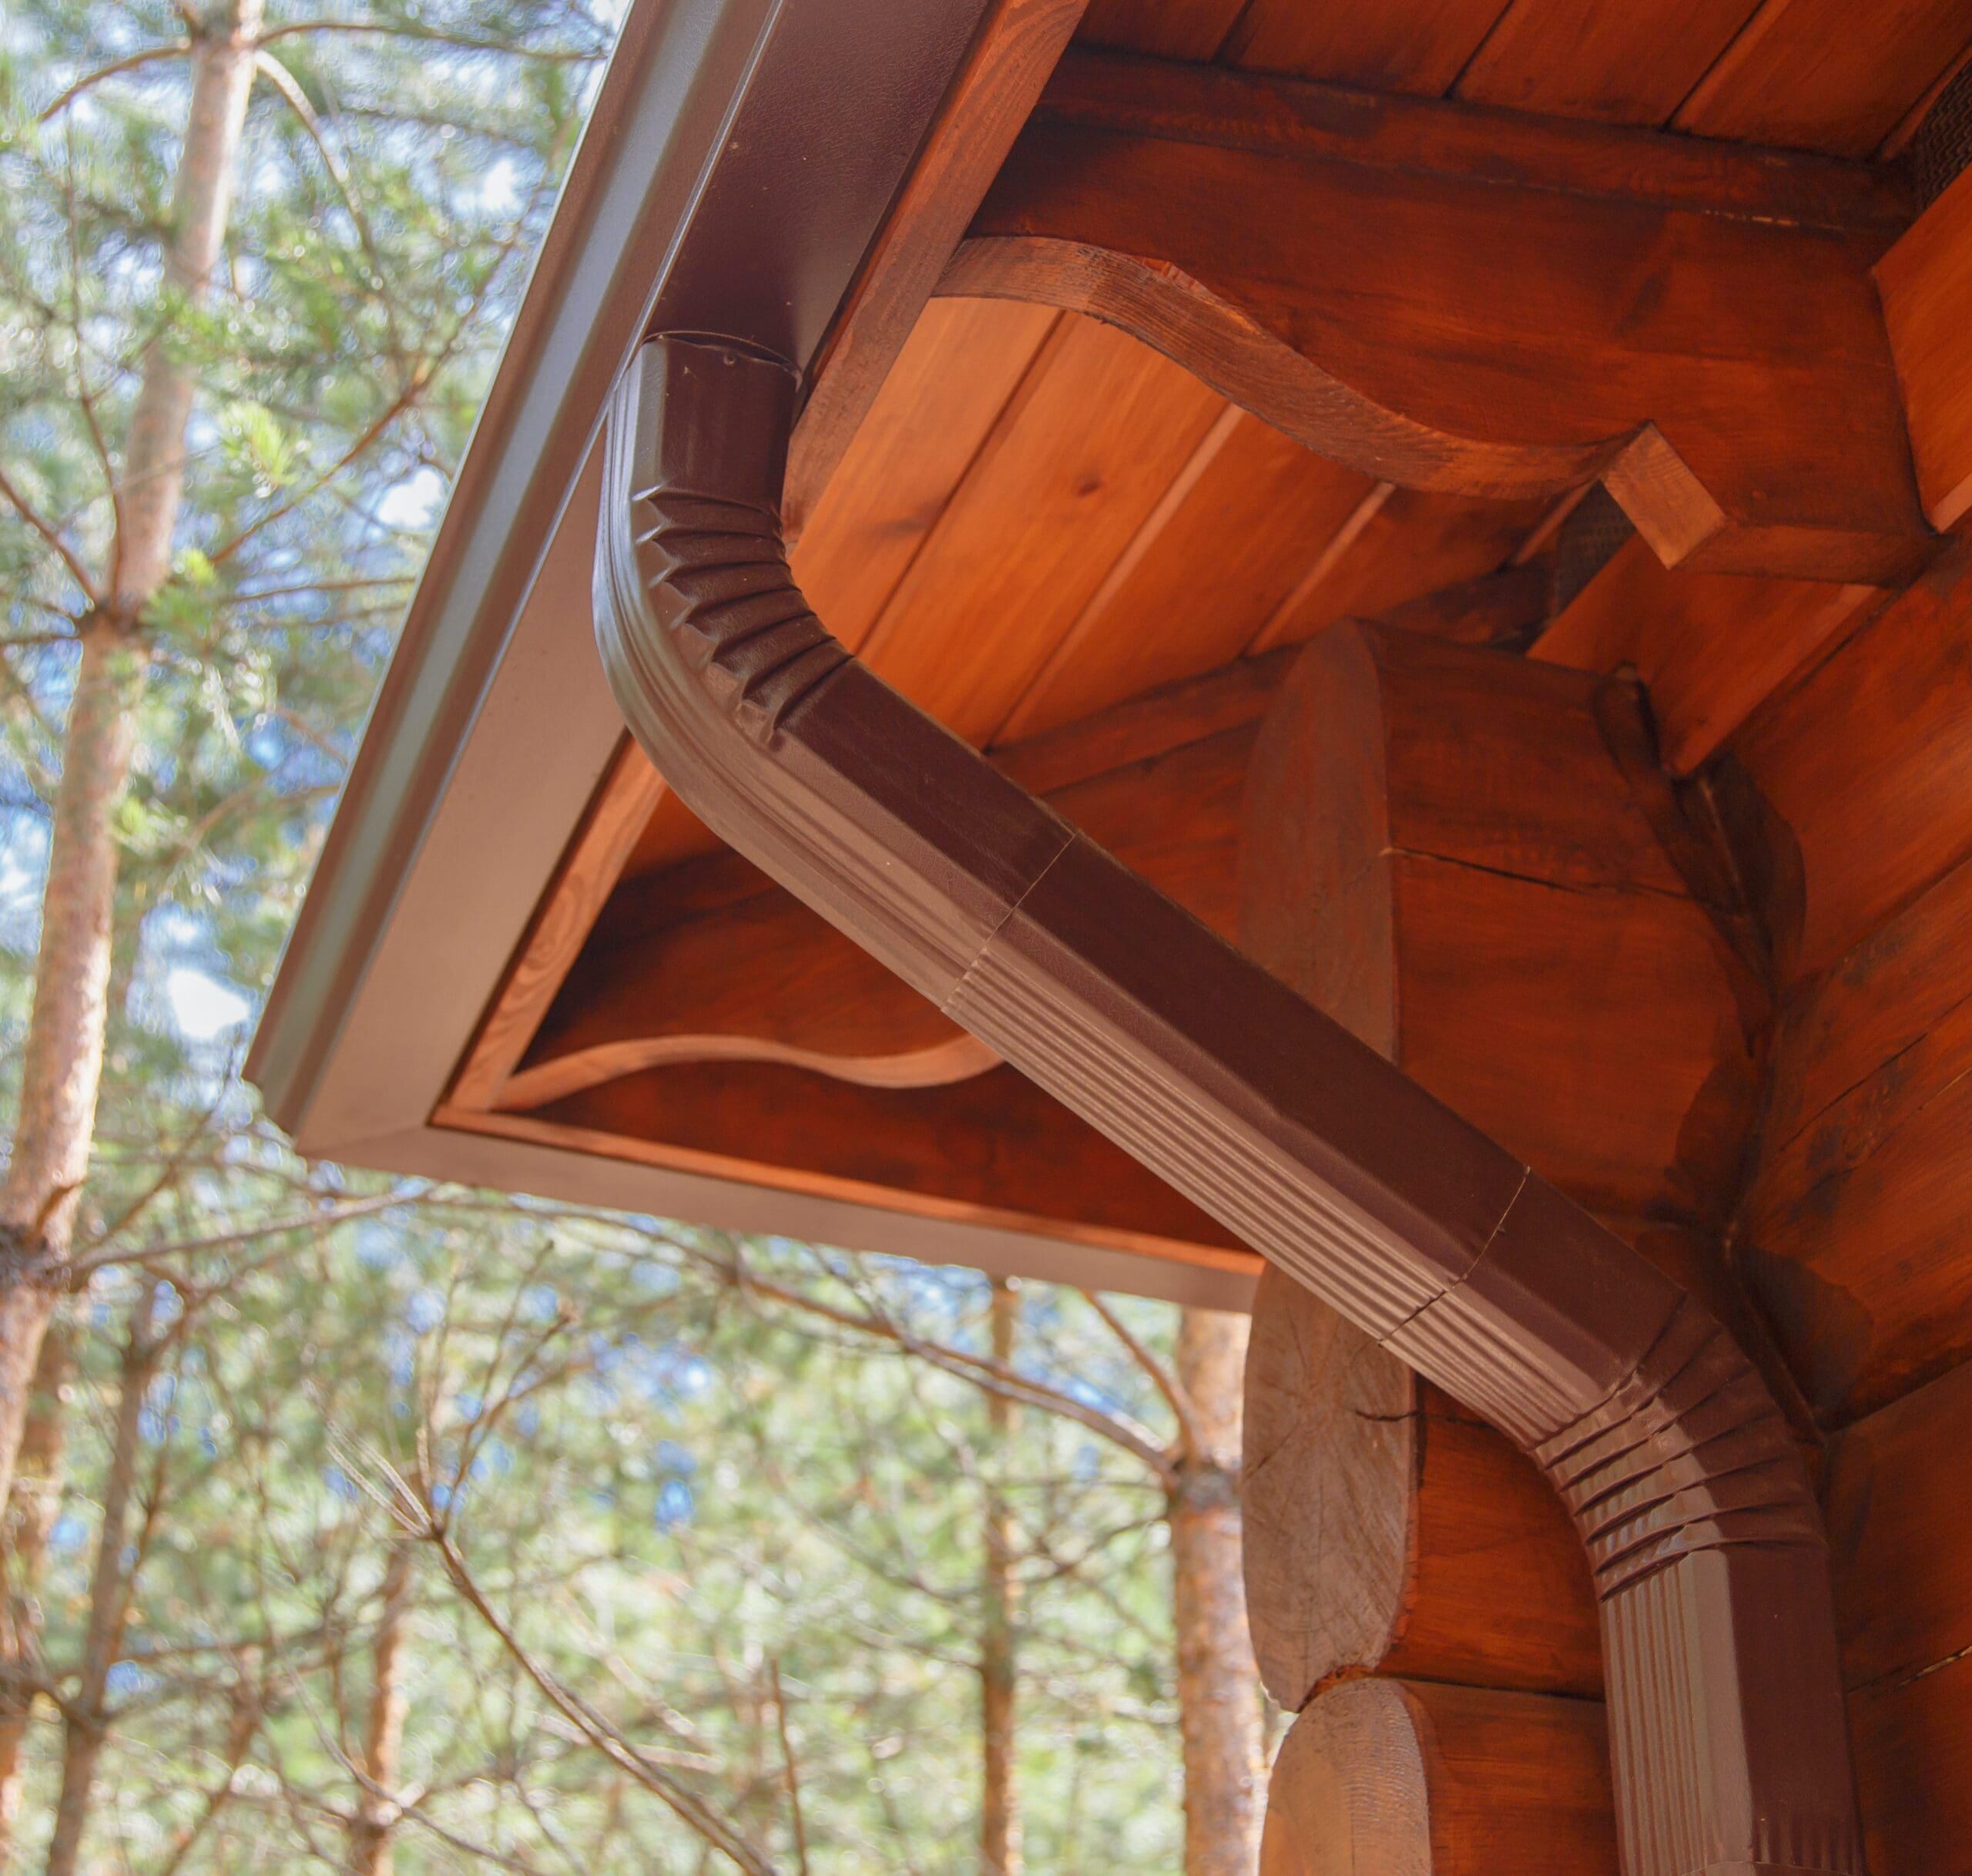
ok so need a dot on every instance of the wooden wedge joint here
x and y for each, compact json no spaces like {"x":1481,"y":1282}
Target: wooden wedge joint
{"x":1453,"y":298}
{"x":1727,"y":1735}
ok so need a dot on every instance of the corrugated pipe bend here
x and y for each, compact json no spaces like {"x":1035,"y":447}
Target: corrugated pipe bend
{"x":1730,"y":1750}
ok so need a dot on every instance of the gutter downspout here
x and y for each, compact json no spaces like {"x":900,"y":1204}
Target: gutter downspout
{"x":1727,"y":1731}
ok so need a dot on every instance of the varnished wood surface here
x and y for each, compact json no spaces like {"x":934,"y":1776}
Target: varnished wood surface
{"x":1858,"y":813}
{"x":1900,"y":1517}
{"x":1387,"y":1531}
{"x":1710,"y":647}
{"x":1788,"y":71}
{"x":1409,"y":1778}
{"x":1442,"y":853}
{"x":1010,"y":61}
{"x":1927,"y":283}
{"x":1522,"y":339}
{"x":993,"y":1146}
{"x":618,"y":814}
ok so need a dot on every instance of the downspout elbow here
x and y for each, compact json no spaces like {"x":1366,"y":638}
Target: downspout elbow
{"x":1730,"y":1750}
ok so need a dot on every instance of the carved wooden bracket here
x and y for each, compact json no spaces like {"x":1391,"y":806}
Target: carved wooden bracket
{"x":1459,"y":299}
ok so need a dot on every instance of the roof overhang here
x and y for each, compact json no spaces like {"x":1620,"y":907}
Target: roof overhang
{"x":495,"y":727}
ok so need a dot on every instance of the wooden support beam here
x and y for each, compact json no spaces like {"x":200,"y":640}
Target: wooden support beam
{"x":1406,"y":1778}
{"x":995,"y":1149}
{"x":1709,"y":647}
{"x":1387,"y":1531}
{"x":1926,"y":284}
{"x":1459,"y":299}
{"x":1443,"y":853}
{"x":1010,"y":61}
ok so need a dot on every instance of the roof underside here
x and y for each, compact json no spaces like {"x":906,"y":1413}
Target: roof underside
{"x":1080,"y":558}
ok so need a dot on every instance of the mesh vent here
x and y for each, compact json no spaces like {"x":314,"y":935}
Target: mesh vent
{"x":1943,"y":144}
{"x":1587,"y":542}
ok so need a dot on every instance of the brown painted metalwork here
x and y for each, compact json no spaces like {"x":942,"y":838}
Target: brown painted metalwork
{"x":1730,"y":1750}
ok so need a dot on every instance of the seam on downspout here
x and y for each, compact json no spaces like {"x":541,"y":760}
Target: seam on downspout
{"x":1728,"y":1736}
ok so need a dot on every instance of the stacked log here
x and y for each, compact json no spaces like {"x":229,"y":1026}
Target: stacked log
{"x":1472,"y":862}
{"x":1856,"y":782}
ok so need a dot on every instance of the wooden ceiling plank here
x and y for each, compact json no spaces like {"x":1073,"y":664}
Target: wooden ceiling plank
{"x":1419,"y":46}
{"x":618,"y":813}
{"x":1286,"y":117}
{"x":1926,"y":281}
{"x":1219,"y":555}
{"x":1710,"y":648}
{"x":1081,"y":457}
{"x":1154,"y":528}
{"x":1191,"y":30}
{"x":1627,"y":64}
{"x":1003,"y":74}
{"x":1442,"y":327}
{"x":1813,"y":75}
{"x":963,"y":363}
{"x":1408,"y":545}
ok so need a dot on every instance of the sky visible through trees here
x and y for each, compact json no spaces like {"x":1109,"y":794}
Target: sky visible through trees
{"x":375,"y":1526}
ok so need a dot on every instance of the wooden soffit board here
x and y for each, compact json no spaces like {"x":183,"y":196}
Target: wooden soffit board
{"x":1092,"y":552}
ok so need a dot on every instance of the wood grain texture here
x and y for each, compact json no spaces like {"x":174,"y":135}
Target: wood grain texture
{"x":710,"y":961}
{"x":1913,"y":1768}
{"x":995,"y":1144}
{"x":1854,"y":1213}
{"x":1191,"y":30}
{"x":1009,"y":63}
{"x":963,"y":360}
{"x":932,"y":1201}
{"x":1079,"y":460}
{"x":1709,"y":647}
{"x":1211,"y":566}
{"x":1387,"y":1531}
{"x":1442,"y":853}
{"x":1521,"y":341}
{"x":1900,"y":1526}
{"x":1418,"y":47}
{"x":597,"y":854}
{"x":763,"y":980}
{"x":1406,"y":1778}
{"x":1899,"y":1521}
{"x":1865,"y":768}
{"x":1406,"y":546}
{"x":1802,"y":74}
{"x":1926,"y":281}
{"x":1284,"y":117}
{"x":1629,"y":64}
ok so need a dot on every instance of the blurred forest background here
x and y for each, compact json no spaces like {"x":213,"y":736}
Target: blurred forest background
{"x":371,"y":1526}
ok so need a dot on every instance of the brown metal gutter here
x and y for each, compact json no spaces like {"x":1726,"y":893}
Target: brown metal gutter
{"x":1728,"y":1734}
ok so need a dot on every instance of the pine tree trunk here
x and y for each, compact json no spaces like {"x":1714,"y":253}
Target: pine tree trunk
{"x":999,"y":1809}
{"x":85,"y":1724}
{"x":62,"y":1065}
{"x":1219,"y":1692}
{"x":370,"y":1832}
{"x":30,"y":1517}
